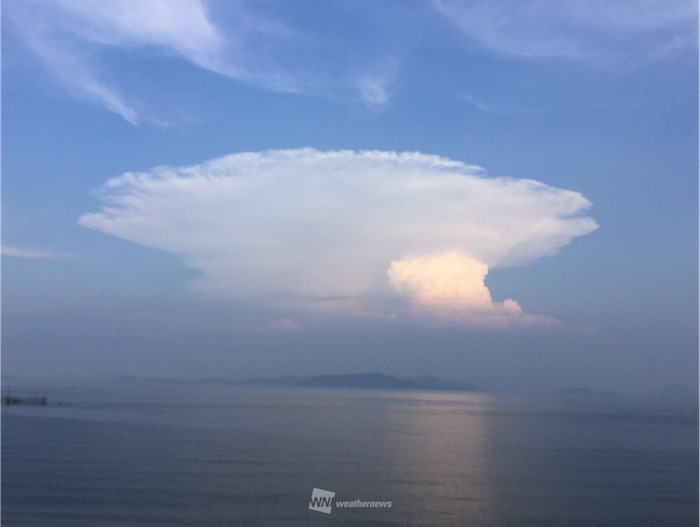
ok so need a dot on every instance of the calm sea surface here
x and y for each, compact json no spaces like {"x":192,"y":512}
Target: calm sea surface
{"x":173,"y":455}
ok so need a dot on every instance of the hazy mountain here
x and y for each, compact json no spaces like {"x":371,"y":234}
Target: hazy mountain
{"x":350,"y":380}
{"x":362,"y":380}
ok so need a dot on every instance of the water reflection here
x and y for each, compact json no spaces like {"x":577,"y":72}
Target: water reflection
{"x":439,"y":457}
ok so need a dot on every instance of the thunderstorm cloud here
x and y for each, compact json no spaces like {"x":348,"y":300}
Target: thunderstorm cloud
{"x":347,"y":233}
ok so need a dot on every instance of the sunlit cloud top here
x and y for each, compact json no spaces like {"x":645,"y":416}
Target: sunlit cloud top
{"x":344,"y":231}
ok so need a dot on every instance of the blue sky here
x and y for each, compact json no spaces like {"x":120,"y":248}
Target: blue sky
{"x":500,"y":192}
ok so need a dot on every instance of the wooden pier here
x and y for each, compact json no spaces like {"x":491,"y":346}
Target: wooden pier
{"x":8,"y":400}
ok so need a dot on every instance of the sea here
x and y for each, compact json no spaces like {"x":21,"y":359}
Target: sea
{"x":168,"y":454}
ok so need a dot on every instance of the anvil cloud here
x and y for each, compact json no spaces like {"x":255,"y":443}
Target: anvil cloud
{"x":346,"y":232}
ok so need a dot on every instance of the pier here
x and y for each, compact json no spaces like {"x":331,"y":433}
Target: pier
{"x":8,"y":400}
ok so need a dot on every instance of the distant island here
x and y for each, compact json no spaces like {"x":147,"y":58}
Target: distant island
{"x":377,"y":381}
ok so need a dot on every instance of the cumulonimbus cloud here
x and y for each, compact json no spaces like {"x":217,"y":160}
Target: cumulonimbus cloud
{"x":449,"y":289}
{"x":346,"y":231}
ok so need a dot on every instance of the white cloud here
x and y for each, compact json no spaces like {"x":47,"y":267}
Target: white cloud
{"x":448,"y":288}
{"x":374,"y":86}
{"x":600,"y":29}
{"x":67,"y":35}
{"x":76,"y":40}
{"x":282,"y":325}
{"x":303,"y":229}
{"x":20,"y":252}
{"x":357,"y":54}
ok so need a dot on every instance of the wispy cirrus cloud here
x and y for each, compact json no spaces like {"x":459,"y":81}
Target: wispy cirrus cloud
{"x":282,"y":325}
{"x":346,"y":233}
{"x":98,"y":49}
{"x":374,"y":85}
{"x":70,"y":35}
{"x":22,"y":252}
{"x":76,"y":40}
{"x":595,"y":29}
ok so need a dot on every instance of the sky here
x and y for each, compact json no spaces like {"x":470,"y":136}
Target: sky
{"x":498,"y":192}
